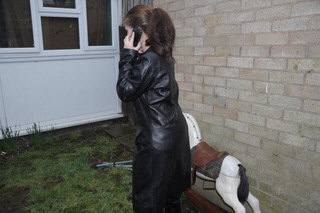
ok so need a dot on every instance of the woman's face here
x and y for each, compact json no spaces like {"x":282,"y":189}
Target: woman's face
{"x":143,"y":38}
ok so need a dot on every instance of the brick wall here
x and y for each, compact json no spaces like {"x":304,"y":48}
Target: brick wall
{"x":249,"y":71}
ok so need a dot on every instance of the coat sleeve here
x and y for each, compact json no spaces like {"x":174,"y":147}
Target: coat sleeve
{"x":134,"y":75}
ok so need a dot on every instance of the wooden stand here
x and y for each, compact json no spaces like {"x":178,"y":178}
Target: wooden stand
{"x":202,"y":203}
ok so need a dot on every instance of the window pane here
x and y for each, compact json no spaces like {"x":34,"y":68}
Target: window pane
{"x":60,"y":33}
{"x":59,"y":3}
{"x":15,"y":24}
{"x":99,"y":22}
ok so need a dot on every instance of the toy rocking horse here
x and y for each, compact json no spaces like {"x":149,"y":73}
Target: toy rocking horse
{"x":224,"y":169}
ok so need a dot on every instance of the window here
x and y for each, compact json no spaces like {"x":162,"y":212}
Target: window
{"x":52,"y":26}
{"x":99,"y":22}
{"x":15,"y":24}
{"x":60,"y":33}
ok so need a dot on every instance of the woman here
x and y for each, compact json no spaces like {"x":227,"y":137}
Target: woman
{"x":161,"y":163}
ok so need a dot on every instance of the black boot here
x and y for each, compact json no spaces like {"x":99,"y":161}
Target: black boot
{"x":173,"y":204}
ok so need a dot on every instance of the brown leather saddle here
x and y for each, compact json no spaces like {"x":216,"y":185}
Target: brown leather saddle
{"x":203,"y":155}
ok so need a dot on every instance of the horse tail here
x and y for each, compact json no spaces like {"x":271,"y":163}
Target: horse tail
{"x":243,"y":189}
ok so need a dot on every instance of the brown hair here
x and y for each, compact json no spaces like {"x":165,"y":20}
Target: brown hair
{"x":158,"y":26}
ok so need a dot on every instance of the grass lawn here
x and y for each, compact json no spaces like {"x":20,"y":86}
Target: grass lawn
{"x":54,"y":175}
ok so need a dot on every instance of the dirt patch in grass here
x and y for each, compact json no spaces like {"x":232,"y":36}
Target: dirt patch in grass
{"x":13,"y":199}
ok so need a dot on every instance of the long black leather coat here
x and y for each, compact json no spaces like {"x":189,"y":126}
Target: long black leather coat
{"x":161,"y":166}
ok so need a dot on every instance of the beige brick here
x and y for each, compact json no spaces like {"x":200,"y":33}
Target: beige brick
{"x":224,"y":92}
{"x":194,"y":41}
{"x":176,"y":5}
{"x":249,"y":4}
{"x":227,"y":29}
{"x":315,"y":23}
{"x":204,"y":89}
{"x":292,"y":24}
{"x":184,"y":68}
{"x":223,"y":112}
{"x":274,"y":12}
{"x":201,"y":11}
{"x":256,"y":27}
{"x":312,"y":106}
{"x":193,"y":59}
{"x":228,"y":51}
{"x":198,"y":79}
{"x":185,"y":105}
{"x":183,"y":51}
{"x":298,"y":141}
{"x":318,"y":147}
{"x":215,"y":61}
{"x":251,"y":119}
{"x":304,"y":37}
{"x":185,"y":86}
{"x":303,"y":64}
{"x":263,"y":132}
{"x":203,"y":70}
{"x":247,"y":139}
{"x":313,"y":79}
{"x":215,"y":101}
{"x":255,"y":51}
{"x":184,"y":32}
{"x":253,"y":97}
{"x":276,"y":38}
{"x":204,"y":51}
{"x":225,"y":132}
{"x":213,"y":120}
{"x":240,"y":17}
{"x":310,"y":131}
{"x":179,"y":76}
{"x":179,"y":59}
{"x":227,"y":72}
{"x":228,"y":6}
{"x":237,"y":125}
{"x":178,"y":23}
{"x":311,"y":92}
{"x":288,"y":51}
{"x":184,"y":13}
{"x":306,"y":8}
{"x":179,"y":42}
{"x":239,"y":84}
{"x":215,"y":19}
{"x":191,"y":96}
{"x":240,"y":40}
{"x":270,"y":88}
{"x":314,"y":51}
{"x":294,"y":90}
{"x":286,"y":77}
{"x":254,"y":74}
{"x":204,"y":108}
{"x":268,"y":63}
{"x":214,"y":81}
{"x":267,"y":111}
{"x":194,"y":21}
{"x":215,"y":40}
{"x":200,"y":31}
{"x":283,"y":126}
{"x":240,"y":62}
{"x":284,"y":101}
{"x":278,"y":148}
{"x":238,"y":105}
{"x":302,"y":117}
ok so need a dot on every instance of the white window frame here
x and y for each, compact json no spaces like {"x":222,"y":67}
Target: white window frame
{"x":77,"y":9}
{"x":35,"y":48}
{"x":38,"y":11}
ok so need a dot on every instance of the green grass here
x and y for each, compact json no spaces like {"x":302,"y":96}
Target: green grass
{"x":55,"y":175}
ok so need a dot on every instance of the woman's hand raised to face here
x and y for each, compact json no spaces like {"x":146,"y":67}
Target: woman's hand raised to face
{"x":128,"y":42}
